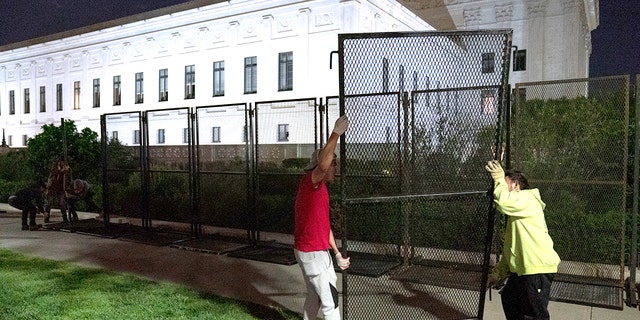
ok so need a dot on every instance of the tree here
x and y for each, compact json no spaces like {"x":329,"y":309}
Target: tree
{"x":81,"y":149}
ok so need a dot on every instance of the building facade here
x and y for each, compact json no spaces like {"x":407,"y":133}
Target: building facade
{"x":245,"y":51}
{"x":551,"y":38}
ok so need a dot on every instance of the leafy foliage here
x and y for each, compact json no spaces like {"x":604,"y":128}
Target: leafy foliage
{"x":581,"y":138}
{"x":575,"y":151}
{"x":82,"y":150}
{"x":15,"y":173}
{"x":14,"y":166}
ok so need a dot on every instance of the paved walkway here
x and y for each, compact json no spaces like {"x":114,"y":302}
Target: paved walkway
{"x":259,"y":282}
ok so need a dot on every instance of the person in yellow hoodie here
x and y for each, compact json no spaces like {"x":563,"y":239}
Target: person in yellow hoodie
{"x":528,"y":258}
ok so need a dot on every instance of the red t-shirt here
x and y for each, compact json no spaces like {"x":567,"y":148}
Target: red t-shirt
{"x":312,"y":225}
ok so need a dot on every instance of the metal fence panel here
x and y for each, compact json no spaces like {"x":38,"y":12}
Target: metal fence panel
{"x":571,"y":139}
{"x":123,"y":172}
{"x":425,"y":110}
{"x":169,"y":158}
{"x":286,"y":133}
{"x":223,"y":167}
{"x":633,"y":247}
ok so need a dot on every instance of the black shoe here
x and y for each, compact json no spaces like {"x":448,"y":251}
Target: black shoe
{"x":25,"y":227}
{"x":36,"y":227}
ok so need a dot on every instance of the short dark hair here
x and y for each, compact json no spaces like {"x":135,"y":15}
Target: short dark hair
{"x":519,"y":177}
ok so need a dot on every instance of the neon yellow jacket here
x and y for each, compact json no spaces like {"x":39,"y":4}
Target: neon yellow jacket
{"x":528,"y":248}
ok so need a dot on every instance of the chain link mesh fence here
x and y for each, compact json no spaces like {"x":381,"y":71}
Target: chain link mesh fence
{"x":410,"y":203}
{"x":169,"y":155}
{"x":286,"y":135}
{"x":122,"y":164}
{"x":223,"y":166}
{"x":571,"y":139}
{"x":425,"y":111}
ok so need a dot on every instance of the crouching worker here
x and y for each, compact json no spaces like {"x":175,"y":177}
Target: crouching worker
{"x":80,"y":190}
{"x":30,"y":201}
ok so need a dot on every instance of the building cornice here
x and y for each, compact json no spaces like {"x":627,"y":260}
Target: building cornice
{"x":198,"y":15}
{"x":592,"y":13}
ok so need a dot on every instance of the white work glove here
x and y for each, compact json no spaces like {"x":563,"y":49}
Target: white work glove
{"x":341,"y":125}
{"x":493,"y":166}
{"x":343,"y":263}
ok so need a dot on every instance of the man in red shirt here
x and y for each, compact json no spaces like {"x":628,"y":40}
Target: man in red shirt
{"x":313,"y":237}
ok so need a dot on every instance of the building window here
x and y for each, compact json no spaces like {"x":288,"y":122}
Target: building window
{"x":59,"y":97}
{"x":250,"y":74}
{"x":488,"y":102}
{"x":136,"y":136}
{"x":160,"y":135}
{"x":27,"y":101}
{"x":285,"y":71}
{"x":163,"y":85}
{"x":24,"y":140}
{"x":190,"y":82}
{"x":185,"y":135}
{"x":520,"y":60}
{"x":76,"y":95}
{"x":283,"y":132}
{"x":114,"y":135}
{"x":139,"y":87}
{"x":43,"y":99}
{"x":12,"y":102}
{"x":488,"y":62}
{"x":215,"y":134}
{"x":117,"y":93}
{"x":218,"y":78}
{"x":96,"y":93}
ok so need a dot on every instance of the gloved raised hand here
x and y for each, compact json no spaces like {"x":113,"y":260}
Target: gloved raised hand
{"x":493,"y":166}
{"x":343,"y":263}
{"x":341,"y":125}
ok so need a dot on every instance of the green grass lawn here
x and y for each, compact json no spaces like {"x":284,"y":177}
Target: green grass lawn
{"x":35,"y":288}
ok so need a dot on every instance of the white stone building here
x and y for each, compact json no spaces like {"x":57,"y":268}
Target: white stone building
{"x":246,"y":51}
{"x":551,"y":38}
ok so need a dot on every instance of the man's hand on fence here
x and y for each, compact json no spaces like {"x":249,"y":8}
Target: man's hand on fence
{"x":493,"y":166}
{"x":496,"y":281}
{"x":343,"y":263}
{"x":341,"y":125}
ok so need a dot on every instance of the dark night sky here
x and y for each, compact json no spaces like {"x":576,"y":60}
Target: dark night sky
{"x":26,"y":19}
{"x":615,"y":43}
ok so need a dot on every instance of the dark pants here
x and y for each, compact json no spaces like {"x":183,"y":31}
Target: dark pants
{"x":527,"y":297}
{"x":28,"y":210}
{"x":62,"y":203}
